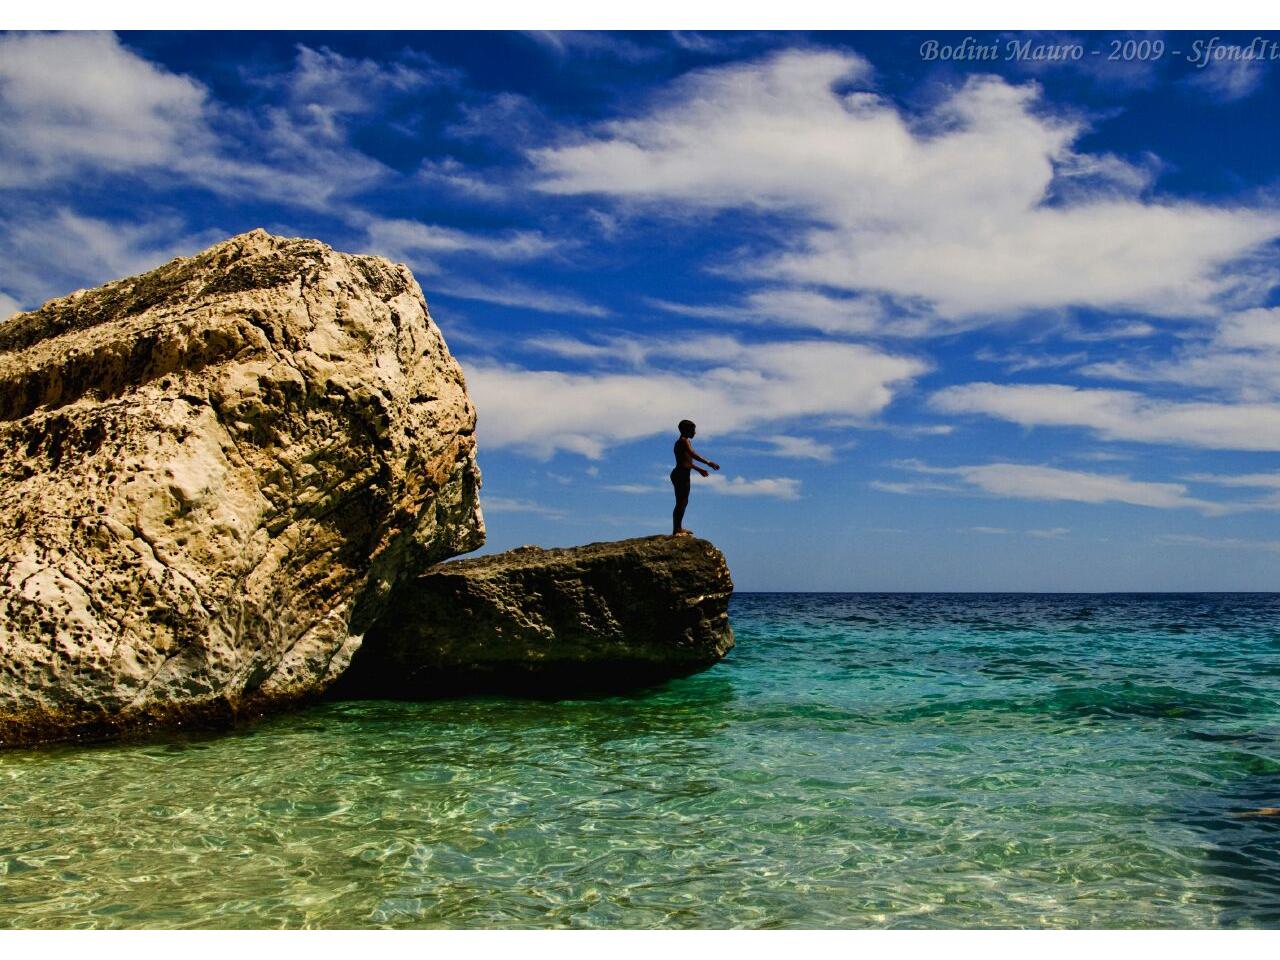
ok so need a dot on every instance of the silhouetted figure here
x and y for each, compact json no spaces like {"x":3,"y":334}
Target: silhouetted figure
{"x":685,"y":455}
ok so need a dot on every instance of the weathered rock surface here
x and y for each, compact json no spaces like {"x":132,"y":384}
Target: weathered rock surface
{"x":605,"y":615}
{"x":212,"y":476}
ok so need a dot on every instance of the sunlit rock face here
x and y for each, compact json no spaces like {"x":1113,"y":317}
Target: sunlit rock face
{"x":213,"y":477}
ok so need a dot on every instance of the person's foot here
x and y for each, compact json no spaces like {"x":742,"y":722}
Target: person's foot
{"x":682,"y":532}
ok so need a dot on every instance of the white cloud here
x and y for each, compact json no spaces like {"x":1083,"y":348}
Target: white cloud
{"x":808,"y":309}
{"x":1117,"y":77}
{"x":1019,"y":361}
{"x":1262,"y":480}
{"x":8,"y":306}
{"x":504,"y":117}
{"x":1122,"y":330}
{"x":511,"y":293}
{"x":1085,"y":177}
{"x":81,"y":105}
{"x":403,"y":240}
{"x":780,"y":488}
{"x":450,"y":173}
{"x":77,"y":108}
{"x":726,"y":386}
{"x":717,"y":43}
{"x":1223,"y":543}
{"x":1228,"y":80}
{"x":1101,"y":456}
{"x":948,"y":207}
{"x":1120,"y":414}
{"x":1251,"y":329}
{"x":801,"y":448}
{"x":923,"y":430}
{"x":912,"y":487}
{"x":518,"y":505}
{"x":1052,"y":533}
{"x":630,"y":351}
{"x":1240,"y":357}
{"x":991,"y":531}
{"x":327,"y":84}
{"x":1033,"y":482}
{"x":1269,"y":482}
{"x":593,"y":44}
{"x":49,"y":252}
{"x":70,"y":101}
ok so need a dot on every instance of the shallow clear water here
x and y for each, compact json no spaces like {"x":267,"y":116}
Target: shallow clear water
{"x":858,"y":761}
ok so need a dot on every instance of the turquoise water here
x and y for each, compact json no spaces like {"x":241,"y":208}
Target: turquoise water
{"x":858,"y":761}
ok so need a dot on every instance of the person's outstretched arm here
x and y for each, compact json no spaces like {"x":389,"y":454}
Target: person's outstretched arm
{"x":701,"y":459}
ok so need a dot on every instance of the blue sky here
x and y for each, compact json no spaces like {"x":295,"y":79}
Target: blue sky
{"x":993,"y":325}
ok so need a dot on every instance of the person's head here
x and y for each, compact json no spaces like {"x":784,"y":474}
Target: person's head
{"x":687,"y":428}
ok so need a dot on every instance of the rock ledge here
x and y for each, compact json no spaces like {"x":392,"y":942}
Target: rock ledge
{"x":604,"y":616}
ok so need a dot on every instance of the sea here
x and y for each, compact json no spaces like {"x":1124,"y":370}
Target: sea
{"x":857,"y":761}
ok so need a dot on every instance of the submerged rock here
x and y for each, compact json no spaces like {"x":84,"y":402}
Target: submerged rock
{"x":213,"y":476}
{"x":601,"y":616}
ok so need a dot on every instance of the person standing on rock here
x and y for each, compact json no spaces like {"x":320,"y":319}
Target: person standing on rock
{"x":685,"y":455}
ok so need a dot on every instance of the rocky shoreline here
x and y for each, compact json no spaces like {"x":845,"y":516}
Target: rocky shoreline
{"x":226,"y":478}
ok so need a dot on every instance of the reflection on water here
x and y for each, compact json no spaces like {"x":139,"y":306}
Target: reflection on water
{"x":859,"y":760}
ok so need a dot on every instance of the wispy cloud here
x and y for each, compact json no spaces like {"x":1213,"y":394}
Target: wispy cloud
{"x":913,"y":487}
{"x":493,"y":504}
{"x":919,"y":431}
{"x":8,"y":306}
{"x":1228,"y":80}
{"x":84,"y":105}
{"x":593,"y":44}
{"x":1020,"y":361}
{"x":1120,"y":414}
{"x":779,"y":488}
{"x":327,"y":84}
{"x":410,"y":240}
{"x":509,"y":118}
{"x":455,"y":176}
{"x":51,"y":251}
{"x":1220,"y":543}
{"x":636,"y":488}
{"x":801,"y":448}
{"x":1239,"y":357}
{"x":83,"y":110}
{"x":1267,"y":480}
{"x":1118,"y":77}
{"x":628,"y":351}
{"x":512,"y":293}
{"x":1109,"y":330}
{"x":808,"y":309}
{"x":1034,"y":482}
{"x":1101,"y":456}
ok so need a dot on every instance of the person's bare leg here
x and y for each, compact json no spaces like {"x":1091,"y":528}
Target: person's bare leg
{"x":677,"y":517}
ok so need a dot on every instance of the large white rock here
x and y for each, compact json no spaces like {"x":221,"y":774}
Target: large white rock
{"x":212,"y":477}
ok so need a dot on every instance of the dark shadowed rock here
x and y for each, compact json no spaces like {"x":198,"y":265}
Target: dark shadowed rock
{"x":571,"y":620}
